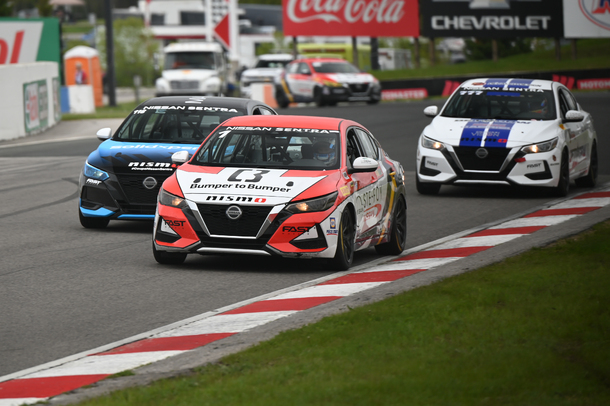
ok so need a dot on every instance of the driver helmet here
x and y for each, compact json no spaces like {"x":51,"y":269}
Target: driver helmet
{"x":540,"y":107}
{"x":323,"y":151}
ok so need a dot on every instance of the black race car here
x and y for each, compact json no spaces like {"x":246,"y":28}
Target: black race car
{"x":122,"y":177}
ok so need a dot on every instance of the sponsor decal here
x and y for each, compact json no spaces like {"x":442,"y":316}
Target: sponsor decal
{"x":242,"y":199}
{"x":93,"y":182}
{"x":293,"y":229}
{"x":333,"y":223}
{"x":430,"y":164}
{"x":149,"y":166}
{"x":156,"y":146}
{"x":369,"y":198}
{"x":175,"y":223}
{"x":196,"y":108}
{"x":486,"y":133}
{"x":351,"y":17}
{"x":280,"y":129}
{"x":596,"y":11}
{"x":586,"y":84}
{"x":534,"y":166}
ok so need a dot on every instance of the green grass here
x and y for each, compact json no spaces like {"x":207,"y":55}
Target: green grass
{"x":531,"y":330}
{"x":591,"y":54}
{"x":121,"y":110}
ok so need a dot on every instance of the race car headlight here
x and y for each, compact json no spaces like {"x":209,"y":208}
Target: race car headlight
{"x":168,"y":199}
{"x":431,"y":144}
{"x":94,"y":173}
{"x":542,"y":147}
{"x":317,"y":204}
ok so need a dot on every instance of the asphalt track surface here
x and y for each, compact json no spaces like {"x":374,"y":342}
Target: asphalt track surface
{"x":66,"y":290}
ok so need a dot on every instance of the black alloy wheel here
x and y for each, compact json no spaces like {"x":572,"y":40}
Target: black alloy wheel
{"x":590,"y":179}
{"x":168,"y":258}
{"x":92,"y":222}
{"x":346,"y":242}
{"x":398,"y":235}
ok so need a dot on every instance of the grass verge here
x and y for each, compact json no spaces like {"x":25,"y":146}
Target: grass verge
{"x":531,"y":330}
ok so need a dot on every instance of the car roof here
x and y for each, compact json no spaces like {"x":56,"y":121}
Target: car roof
{"x":204,"y":101}
{"x":326,"y":123}
{"x":322,"y":59}
{"x":510,"y":82}
{"x":276,"y":57}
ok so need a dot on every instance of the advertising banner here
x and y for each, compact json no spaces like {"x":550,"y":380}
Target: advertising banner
{"x":31,"y":40}
{"x":492,"y":18}
{"x":36,"y":106}
{"x":586,"y":18}
{"x":354,"y":18}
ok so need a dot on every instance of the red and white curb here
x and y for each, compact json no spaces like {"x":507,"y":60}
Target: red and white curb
{"x":39,"y":384}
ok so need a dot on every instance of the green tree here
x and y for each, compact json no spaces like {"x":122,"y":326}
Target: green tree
{"x":45,"y":9}
{"x":134,"y":50}
{"x":6,"y":8}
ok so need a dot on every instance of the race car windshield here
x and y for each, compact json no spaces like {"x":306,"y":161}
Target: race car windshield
{"x":173,"y":124}
{"x":334,"y":67}
{"x":271,"y":147}
{"x":189,"y":60}
{"x":511,"y":104}
{"x":271,"y":64}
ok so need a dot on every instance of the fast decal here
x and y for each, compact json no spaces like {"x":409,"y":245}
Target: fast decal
{"x":486,"y":133}
{"x":93,"y":182}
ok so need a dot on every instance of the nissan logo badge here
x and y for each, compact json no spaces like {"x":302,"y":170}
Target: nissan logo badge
{"x":482,"y":153}
{"x":149,"y":183}
{"x":233,"y":212}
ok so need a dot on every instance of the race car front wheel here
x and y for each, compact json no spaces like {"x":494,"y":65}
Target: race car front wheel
{"x":427,"y":188}
{"x":563,"y":187}
{"x":318,"y":97}
{"x":168,"y":258}
{"x":92,"y":222}
{"x":591,"y":178}
{"x":398,"y":234}
{"x":346,"y":242}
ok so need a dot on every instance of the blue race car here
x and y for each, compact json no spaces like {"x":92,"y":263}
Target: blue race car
{"x":122,"y":177}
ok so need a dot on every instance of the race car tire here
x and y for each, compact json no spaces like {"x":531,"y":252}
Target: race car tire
{"x":346,"y":242}
{"x":590,"y":179}
{"x":398,"y":235}
{"x":372,"y":101}
{"x":318,"y":97}
{"x":92,"y":222}
{"x":427,"y":188}
{"x":563,"y":187}
{"x":281,"y":99}
{"x":168,"y":258}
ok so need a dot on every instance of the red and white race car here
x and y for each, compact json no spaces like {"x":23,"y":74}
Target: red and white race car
{"x":291,"y":186}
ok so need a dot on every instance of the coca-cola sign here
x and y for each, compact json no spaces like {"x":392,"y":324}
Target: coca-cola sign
{"x":362,"y":18}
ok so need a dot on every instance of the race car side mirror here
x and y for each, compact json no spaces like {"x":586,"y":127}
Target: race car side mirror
{"x":573,"y":116}
{"x":363,"y":164}
{"x":431,"y":111}
{"x":180,"y":157}
{"x":104,"y":134}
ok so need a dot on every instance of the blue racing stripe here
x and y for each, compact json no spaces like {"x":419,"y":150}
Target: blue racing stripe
{"x":472,"y":134}
{"x":496,"y":137}
{"x":498,"y":133}
{"x":520,"y":83}
{"x":495,"y":82}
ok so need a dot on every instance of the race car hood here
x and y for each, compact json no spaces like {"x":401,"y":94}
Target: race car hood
{"x":188,"y":74}
{"x":136,"y":157}
{"x":250,"y":185}
{"x":500,"y":133}
{"x":348,"y":78}
{"x":256,"y":73}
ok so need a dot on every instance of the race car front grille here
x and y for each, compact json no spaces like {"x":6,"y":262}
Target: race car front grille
{"x":359,"y":87}
{"x":247,"y":225}
{"x":136,"y":193}
{"x":184,"y":84}
{"x":471,"y":162}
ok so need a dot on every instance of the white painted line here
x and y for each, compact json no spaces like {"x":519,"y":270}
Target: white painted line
{"x":426,"y":263}
{"x":104,"y":364}
{"x":487,"y":241}
{"x":343,"y":289}
{"x":226,"y":323}
{"x":536,"y":221}
{"x":20,"y":401}
{"x":574,"y":203}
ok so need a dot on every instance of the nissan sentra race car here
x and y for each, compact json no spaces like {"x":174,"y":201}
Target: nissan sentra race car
{"x":122,"y":177}
{"x":291,"y":186}
{"x":519,"y":132}
{"x":325,"y":81}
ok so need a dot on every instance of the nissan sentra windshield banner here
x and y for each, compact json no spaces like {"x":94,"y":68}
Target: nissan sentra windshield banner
{"x":374,"y":18}
{"x":491,"y":18}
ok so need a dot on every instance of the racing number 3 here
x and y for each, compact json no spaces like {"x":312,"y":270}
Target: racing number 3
{"x":258,"y":175}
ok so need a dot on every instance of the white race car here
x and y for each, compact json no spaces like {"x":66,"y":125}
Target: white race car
{"x":508,"y":132}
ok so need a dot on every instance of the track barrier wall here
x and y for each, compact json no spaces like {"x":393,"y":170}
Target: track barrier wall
{"x":31,"y":98}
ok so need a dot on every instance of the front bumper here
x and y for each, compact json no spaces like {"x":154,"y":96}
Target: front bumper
{"x":120,"y":197}
{"x":461,"y":166}
{"x":262,"y":230}
{"x":352,"y":92}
